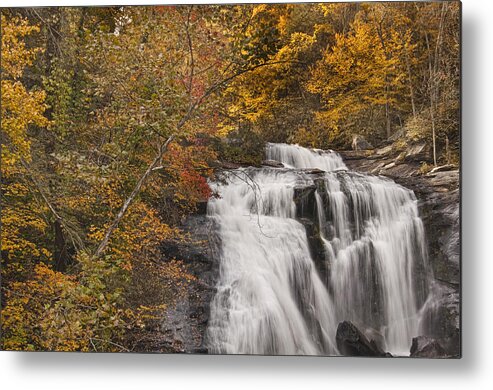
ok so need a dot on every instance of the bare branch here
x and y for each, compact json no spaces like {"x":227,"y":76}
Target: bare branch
{"x":190,"y":48}
{"x":157,"y":160}
{"x":257,"y":193}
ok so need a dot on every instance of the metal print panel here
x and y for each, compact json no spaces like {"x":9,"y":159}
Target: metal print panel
{"x":263,"y":179}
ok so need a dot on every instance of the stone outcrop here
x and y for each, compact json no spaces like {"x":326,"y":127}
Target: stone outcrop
{"x":427,"y":347}
{"x":352,"y":342}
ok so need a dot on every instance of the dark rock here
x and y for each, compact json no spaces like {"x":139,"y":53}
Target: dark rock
{"x":427,"y":347}
{"x":185,"y":323}
{"x":202,"y":207}
{"x":375,"y":337}
{"x":441,"y":319}
{"x":352,"y":342}
{"x":316,"y":246}
{"x":360,"y":143}
{"x":272,"y":163}
{"x":304,"y":198}
{"x":314,"y":171}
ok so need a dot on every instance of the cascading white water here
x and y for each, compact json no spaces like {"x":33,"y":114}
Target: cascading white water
{"x":294,"y":156}
{"x":270,"y":298}
{"x":374,"y":242}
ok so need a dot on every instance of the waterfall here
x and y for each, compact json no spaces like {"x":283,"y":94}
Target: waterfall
{"x":274,"y":296}
{"x":294,"y":156}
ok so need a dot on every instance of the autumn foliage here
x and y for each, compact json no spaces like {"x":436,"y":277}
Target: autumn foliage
{"x":88,"y":97}
{"x":114,"y":119}
{"x":336,"y":70}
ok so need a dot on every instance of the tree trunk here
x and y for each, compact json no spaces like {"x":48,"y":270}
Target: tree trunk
{"x":410,"y":79}
{"x":60,"y":253}
{"x":387,"y":105}
{"x":387,"y":119}
{"x":434,"y":82}
{"x":431,"y":86}
{"x":433,"y":133}
{"x":447,"y":150}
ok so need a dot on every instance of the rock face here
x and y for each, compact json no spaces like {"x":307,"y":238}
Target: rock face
{"x":184,"y":324}
{"x":352,"y":342}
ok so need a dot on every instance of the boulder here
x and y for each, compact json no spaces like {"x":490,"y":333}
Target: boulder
{"x":359,"y":143}
{"x":352,"y":342}
{"x":427,"y":347}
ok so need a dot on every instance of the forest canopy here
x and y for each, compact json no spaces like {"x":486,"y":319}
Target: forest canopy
{"x":114,"y":118}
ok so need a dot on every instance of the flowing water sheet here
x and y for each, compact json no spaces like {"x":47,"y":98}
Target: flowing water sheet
{"x":271,"y":299}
